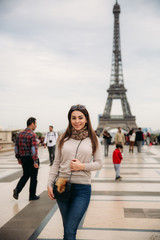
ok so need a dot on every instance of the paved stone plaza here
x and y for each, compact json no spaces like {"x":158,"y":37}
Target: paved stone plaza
{"x":125,"y":210}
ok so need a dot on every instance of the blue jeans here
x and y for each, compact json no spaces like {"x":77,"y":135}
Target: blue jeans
{"x":73,"y":210}
{"x":117,"y":169}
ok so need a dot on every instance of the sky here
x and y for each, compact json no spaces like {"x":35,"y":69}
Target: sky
{"x":58,"y":53}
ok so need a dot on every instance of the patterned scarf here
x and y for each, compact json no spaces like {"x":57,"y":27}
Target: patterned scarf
{"x":80,"y":134}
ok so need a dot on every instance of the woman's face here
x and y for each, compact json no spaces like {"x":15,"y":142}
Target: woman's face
{"x":78,"y":120}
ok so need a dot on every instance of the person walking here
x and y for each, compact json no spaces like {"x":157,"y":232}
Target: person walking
{"x":50,"y":142}
{"x":132,"y":137}
{"x":26,"y":154}
{"x":127,"y":137}
{"x":148,"y":138}
{"x":119,"y":138}
{"x":117,"y":157}
{"x":107,"y":141}
{"x":139,"y":139}
{"x":81,"y":138}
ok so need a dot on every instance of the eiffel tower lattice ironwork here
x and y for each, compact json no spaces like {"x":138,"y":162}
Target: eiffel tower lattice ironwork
{"x":116,"y":89}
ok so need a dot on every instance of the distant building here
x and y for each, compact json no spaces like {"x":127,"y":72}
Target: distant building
{"x":7,"y":138}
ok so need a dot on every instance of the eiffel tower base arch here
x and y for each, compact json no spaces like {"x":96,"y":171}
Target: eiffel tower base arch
{"x":115,"y":122}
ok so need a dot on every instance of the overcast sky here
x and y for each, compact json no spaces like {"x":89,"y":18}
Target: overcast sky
{"x":57,"y":53}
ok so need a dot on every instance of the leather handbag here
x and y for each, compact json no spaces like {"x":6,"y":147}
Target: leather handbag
{"x":61,"y":186}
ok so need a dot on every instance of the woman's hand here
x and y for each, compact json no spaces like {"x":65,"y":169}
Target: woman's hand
{"x":50,"y":193}
{"x":76,"y":165}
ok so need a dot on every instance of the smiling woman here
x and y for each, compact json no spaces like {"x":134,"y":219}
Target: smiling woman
{"x":73,"y":161}
{"x":78,"y":120}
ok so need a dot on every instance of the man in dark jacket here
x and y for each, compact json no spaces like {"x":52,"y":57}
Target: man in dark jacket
{"x":139,"y":139}
{"x":107,"y":141}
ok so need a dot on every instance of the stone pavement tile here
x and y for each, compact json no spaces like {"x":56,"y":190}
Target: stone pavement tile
{"x":115,"y":235}
{"x":11,"y":176}
{"x":54,"y":228}
{"x":121,"y":198}
{"x":142,"y":213}
{"x":105,"y":234}
{"x":142,"y":173}
{"x":106,"y":218}
{"x":112,"y":215}
{"x":23,"y":224}
{"x":120,"y":186}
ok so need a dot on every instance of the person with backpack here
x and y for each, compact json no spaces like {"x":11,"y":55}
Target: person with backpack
{"x":50,"y":142}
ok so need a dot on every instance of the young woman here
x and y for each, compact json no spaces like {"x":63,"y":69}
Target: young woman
{"x":79,"y":131}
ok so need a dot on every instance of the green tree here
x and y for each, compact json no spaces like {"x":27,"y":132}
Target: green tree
{"x":39,"y":134}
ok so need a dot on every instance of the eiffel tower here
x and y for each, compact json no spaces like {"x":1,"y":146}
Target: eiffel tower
{"x":116,"y":89}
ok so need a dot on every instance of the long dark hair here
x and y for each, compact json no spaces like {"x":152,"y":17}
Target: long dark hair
{"x":91,"y":133}
{"x":131,"y":131}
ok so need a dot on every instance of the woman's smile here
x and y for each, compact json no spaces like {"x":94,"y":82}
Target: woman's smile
{"x":78,"y":120}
